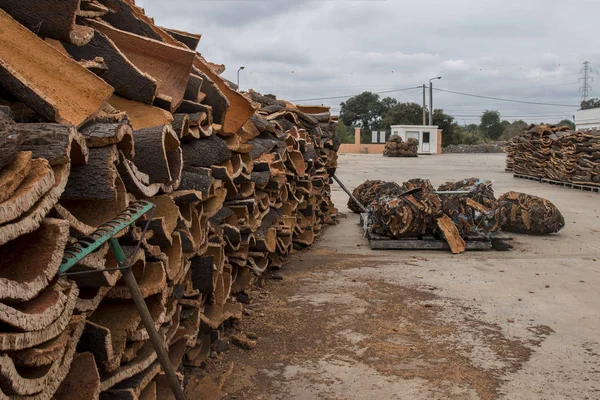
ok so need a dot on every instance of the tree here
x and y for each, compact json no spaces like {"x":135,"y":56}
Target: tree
{"x":490,"y":125}
{"x":363,"y":110}
{"x":591,"y":103}
{"x":403,"y":114}
{"x":345,"y":133}
{"x":515,"y":128}
{"x":567,"y":122}
{"x":449,"y":128}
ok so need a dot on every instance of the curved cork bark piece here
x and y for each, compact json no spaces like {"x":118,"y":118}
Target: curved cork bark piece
{"x":31,"y":261}
{"x":82,"y":381}
{"x":197,"y":180}
{"x":212,"y":205}
{"x":174,"y":262}
{"x":89,"y":299}
{"x":205,"y":152}
{"x":169,"y":65}
{"x":77,"y":227}
{"x":23,"y":340}
{"x":96,"y":261}
{"x":41,"y":381}
{"x":142,"y":361}
{"x":164,"y":221}
{"x":59,"y":144}
{"x":240,"y":109}
{"x":216,"y":99}
{"x":136,"y":182}
{"x":38,"y":313}
{"x":181,"y":124}
{"x":137,"y":387}
{"x":97,"y":212}
{"x":13,"y":174}
{"x":141,"y":115}
{"x":127,"y":79}
{"x":56,"y":21}
{"x":153,"y":281}
{"x":28,"y":69}
{"x":191,"y":40}
{"x":30,"y":221}
{"x":38,"y":182}
{"x":103,"y":134}
{"x":154,"y":147}
{"x":96,"y":180}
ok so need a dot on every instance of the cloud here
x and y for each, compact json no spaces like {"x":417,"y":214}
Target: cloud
{"x":303,"y":49}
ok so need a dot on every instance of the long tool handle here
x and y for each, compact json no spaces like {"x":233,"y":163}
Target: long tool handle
{"x":157,"y":343}
{"x":349,"y":193}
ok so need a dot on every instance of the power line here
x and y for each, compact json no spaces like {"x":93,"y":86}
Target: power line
{"x":352,"y":95}
{"x":500,"y":99}
{"x":585,"y":88}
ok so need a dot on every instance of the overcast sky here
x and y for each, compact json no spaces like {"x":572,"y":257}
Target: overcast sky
{"x":529,"y":50}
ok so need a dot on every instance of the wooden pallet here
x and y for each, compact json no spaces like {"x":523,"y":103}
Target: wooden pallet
{"x":571,"y":185}
{"x":528,"y":177}
{"x":377,"y":242}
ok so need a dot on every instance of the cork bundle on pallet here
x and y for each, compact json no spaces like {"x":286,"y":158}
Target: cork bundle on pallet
{"x":104,"y":108}
{"x":556,"y":153}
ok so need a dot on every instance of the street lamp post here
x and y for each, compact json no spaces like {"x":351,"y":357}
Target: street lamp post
{"x":238,"y":76}
{"x":431,"y":99}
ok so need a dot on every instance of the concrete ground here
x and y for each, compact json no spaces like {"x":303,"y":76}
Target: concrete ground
{"x":350,"y":323}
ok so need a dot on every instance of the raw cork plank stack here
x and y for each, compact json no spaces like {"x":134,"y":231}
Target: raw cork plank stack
{"x":556,"y":153}
{"x":395,"y":147}
{"x":99,"y":107}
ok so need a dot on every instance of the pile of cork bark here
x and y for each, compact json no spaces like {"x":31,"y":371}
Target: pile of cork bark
{"x":396,"y":147}
{"x":556,"y":153}
{"x":100,"y":107}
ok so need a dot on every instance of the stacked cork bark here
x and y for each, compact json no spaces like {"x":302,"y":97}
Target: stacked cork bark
{"x":396,"y":147}
{"x":556,"y":153}
{"x":99,"y":108}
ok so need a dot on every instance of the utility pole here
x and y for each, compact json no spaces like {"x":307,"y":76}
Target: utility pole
{"x":585,"y":80}
{"x":431,"y":99}
{"x":238,"y":76}
{"x":424,"y":106}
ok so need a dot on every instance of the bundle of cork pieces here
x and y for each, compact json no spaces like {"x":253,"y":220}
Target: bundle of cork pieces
{"x":453,"y":212}
{"x":396,"y":147}
{"x":100,"y":107}
{"x":556,"y":153}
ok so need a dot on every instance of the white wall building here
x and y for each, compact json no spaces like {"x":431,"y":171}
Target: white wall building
{"x":429,"y":137}
{"x":587,"y":119}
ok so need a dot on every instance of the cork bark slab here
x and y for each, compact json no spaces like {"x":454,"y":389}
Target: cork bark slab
{"x":89,"y":299}
{"x":141,"y":115}
{"x":46,"y":353}
{"x":105,"y":334}
{"x":192,"y":179}
{"x":77,"y":227}
{"x":31,"y":261}
{"x":53,"y":85}
{"x":153,"y":281}
{"x":451,"y":234}
{"x":13,"y":174}
{"x":169,"y":65}
{"x":240,"y":109}
{"x":136,"y":182}
{"x":181,"y":125}
{"x":30,"y":221}
{"x":158,"y":149}
{"x":59,"y":144}
{"x":38,"y":313}
{"x":96,"y":261}
{"x":132,"y":388}
{"x":205,"y":152}
{"x":22,"y":340}
{"x":96,"y":180}
{"x":215,"y":98}
{"x":82,"y":381}
{"x":142,"y":361}
{"x":56,"y":20}
{"x":105,"y":134}
{"x":97,"y":212}
{"x":191,"y":40}
{"x":41,"y":382}
{"x":127,"y":79}
{"x":127,"y":16}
